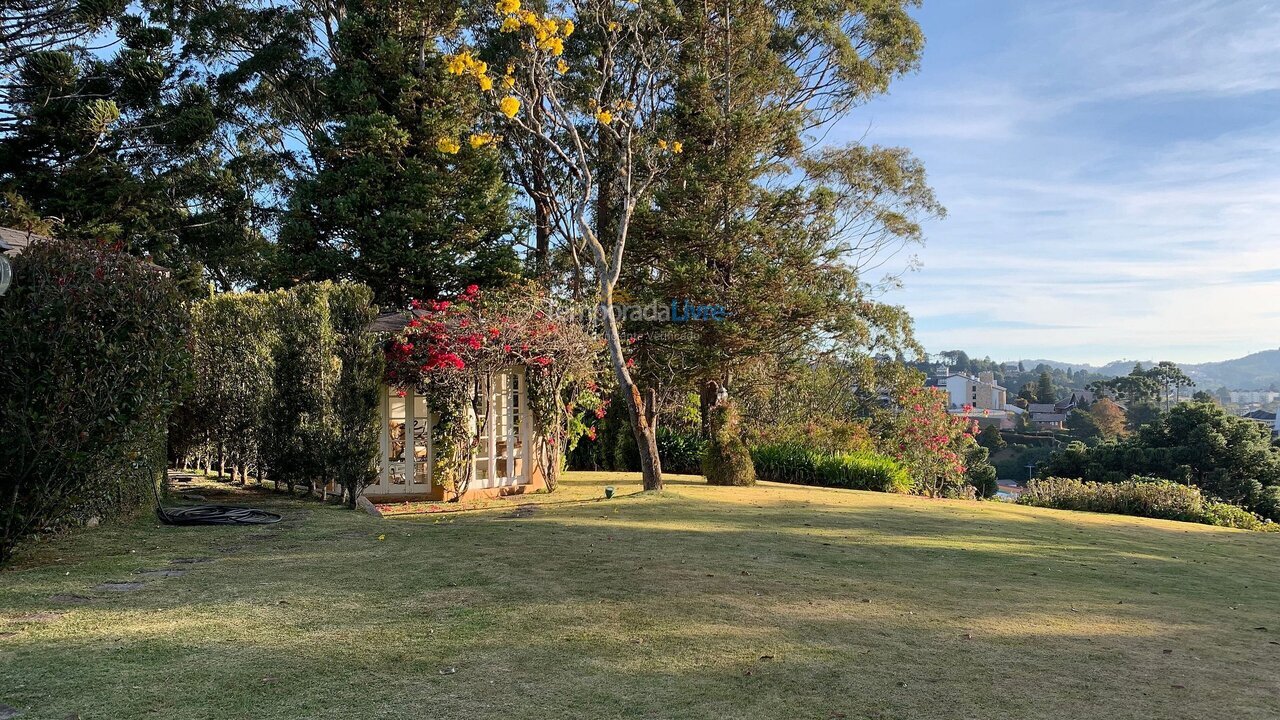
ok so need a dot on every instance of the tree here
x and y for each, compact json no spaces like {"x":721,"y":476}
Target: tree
{"x":1108,"y":417}
{"x":129,"y":142}
{"x":990,"y":438}
{"x":1170,"y":379}
{"x":785,"y":258}
{"x":1082,"y":425}
{"x":1227,"y":456}
{"x":1044,"y":389}
{"x":605,"y":127}
{"x":396,"y":202}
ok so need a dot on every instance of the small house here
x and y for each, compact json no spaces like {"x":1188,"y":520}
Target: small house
{"x":505,"y":460}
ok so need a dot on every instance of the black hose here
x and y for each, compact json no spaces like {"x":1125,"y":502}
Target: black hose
{"x":211,"y":514}
{"x":215,"y":515}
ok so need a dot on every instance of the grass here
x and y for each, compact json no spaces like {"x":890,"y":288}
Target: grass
{"x":768,"y":602}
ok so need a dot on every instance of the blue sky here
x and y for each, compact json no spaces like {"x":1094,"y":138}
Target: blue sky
{"x":1111,"y":171}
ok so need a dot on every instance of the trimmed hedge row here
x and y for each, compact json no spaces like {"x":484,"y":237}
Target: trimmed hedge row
{"x":793,"y":463}
{"x":92,"y":361}
{"x":1143,"y":497}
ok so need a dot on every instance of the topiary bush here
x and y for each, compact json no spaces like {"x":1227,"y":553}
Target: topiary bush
{"x":796,"y":464}
{"x":726,"y":460}
{"x":93,"y":362}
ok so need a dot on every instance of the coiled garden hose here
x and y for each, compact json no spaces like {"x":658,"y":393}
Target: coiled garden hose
{"x":211,"y":514}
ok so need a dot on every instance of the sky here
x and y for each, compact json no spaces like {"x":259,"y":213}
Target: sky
{"x":1111,"y":173}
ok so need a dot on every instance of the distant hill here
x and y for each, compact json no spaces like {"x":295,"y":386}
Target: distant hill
{"x":1252,"y":372}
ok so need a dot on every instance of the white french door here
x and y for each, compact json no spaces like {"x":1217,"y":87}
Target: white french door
{"x":407,"y":452}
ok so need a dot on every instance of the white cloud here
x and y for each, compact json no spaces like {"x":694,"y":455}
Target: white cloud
{"x":1118,"y":242}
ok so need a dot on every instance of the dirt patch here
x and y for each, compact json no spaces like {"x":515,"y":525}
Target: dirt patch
{"x":190,"y":560}
{"x":39,"y":617}
{"x":160,"y":573}
{"x":119,"y":586}
{"x":521,"y":511}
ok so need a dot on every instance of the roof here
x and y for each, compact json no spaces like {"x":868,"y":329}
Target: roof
{"x":1260,"y":415}
{"x":1048,"y":417}
{"x":13,"y":242}
{"x":393,"y":321}
{"x":1042,"y":408}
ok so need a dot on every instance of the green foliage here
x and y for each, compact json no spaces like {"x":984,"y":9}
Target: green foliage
{"x":287,"y":383}
{"x":793,"y":463}
{"x":979,"y":472}
{"x":1145,"y":497}
{"x":93,"y":361}
{"x":385,"y":206}
{"x":990,"y":438}
{"x":1141,"y":496}
{"x":726,"y":460}
{"x":1228,"y":457}
{"x":681,"y":451}
{"x":133,"y":142}
{"x":352,"y":441}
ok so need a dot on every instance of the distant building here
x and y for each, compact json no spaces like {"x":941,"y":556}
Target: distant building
{"x":978,"y":398}
{"x":1262,"y":417}
{"x":1250,"y":397}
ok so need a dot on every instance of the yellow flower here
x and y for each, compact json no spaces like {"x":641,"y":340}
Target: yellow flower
{"x":486,"y":82}
{"x":612,"y":27}
{"x":382,"y":537}
{"x":481,"y":139}
{"x":510,"y":25}
{"x":677,"y":147}
{"x":662,"y":144}
{"x":448,"y":146}
{"x":528,"y":18}
{"x":508,"y":7}
{"x":509,"y":106}
{"x":604,"y":117}
{"x":562,"y":67}
{"x":568,"y":28}
{"x":553,"y":45}
{"x":508,"y":82}
{"x":457,"y":64}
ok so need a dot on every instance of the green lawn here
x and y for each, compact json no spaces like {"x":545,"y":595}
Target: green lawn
{"x":772,"y":602}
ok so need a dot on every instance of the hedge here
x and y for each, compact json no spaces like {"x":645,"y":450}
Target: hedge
{"x":94,"y":360}
{"x":286,"y":385}
{"x":1139,"y":496}
{"x":793,"y":463}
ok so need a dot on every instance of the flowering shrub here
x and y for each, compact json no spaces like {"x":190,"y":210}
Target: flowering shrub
{"x":930,"y":442}
{"x":454,"y":348}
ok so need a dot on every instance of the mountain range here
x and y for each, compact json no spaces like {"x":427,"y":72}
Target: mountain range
{"x":1258,"y":371}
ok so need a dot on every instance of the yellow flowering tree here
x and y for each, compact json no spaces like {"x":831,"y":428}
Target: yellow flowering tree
{"x":600,"y":120}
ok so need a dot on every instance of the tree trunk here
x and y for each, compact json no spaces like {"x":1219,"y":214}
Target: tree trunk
{"x":641,"y":414}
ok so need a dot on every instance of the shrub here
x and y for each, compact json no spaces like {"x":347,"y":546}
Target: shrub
{"x":681,"y":452}
{"x":1232,"y":516}
{"x":1144,"y":497}
{"x":1141,"y":496}
{"x":796,"y":464}
{"x":726,"y":460}
{"x":93,"y":362}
